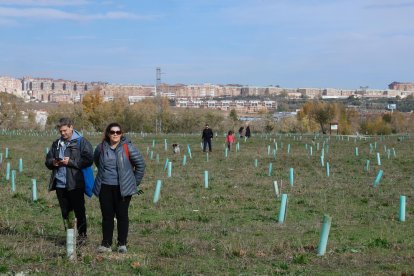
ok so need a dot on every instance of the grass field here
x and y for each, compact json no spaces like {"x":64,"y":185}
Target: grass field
{"x":231,"y":227}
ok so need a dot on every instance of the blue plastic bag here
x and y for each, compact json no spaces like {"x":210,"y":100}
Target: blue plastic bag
{"x":88,"y":177}
{"x":89,"y":180}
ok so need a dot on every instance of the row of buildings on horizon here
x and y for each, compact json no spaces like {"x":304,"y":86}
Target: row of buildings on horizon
{"x":188,"y":96}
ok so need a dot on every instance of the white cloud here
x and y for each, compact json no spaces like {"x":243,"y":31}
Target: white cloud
{"x":49,"y":13}
{"x":118,"y":15}
{"x":44,"y":2}
{"x":38,"y":13}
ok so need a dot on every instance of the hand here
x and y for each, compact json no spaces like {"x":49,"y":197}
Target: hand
{"x":65,"y":161}
{"x":139,"y":191}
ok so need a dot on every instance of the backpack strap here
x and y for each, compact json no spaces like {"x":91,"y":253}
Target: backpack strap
{"x":127,"y":154}
{"x":79,"y":140}
{"x":126,"y":151}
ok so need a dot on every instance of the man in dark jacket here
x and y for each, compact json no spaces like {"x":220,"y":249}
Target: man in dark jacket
{"x":248,"y":134}
{"x":66,"y":158}
{"x":207,"y":136}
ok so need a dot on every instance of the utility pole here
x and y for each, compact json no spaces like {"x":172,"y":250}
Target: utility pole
{"x":158,"y":101}
{"x":158,"y":80}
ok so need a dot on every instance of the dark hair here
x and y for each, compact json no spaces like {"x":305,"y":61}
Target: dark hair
{"x":64,"y":122}
{"x":230,"y":132}
{"x":108,"y":128}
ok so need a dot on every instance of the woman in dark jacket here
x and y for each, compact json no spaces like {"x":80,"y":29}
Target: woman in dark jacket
{"x":120,"y":171}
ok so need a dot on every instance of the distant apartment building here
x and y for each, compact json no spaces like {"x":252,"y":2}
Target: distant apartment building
{"x":191,"y":96}
{"x":243,"y":106}
{"x":294,"y":95}
{"x":378,"y":93}
{"x":58,"y":90}
{"x":54,"y":90}
{"x":230,"y":90}
{"x":265,"y":91}
{"x":331,"y":93}
{"x":253,"y":91}
{"x":60,"y":97}
{"x":11,"y":85}
{"x":199,"y":90}
{"x":119,"y":90}
{"x":403,"y":86}
{"x":311,"y":93}
{"x":337,"y":93}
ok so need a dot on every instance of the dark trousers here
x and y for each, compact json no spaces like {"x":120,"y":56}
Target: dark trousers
{"x":113,"y":204}
{"x":73,"y":201}
{"x":207,"y":142}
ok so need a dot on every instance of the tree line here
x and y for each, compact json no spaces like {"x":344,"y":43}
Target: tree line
{"x":149,"y":115}
{"x":318,"y":116}
{"x":156,"y":115}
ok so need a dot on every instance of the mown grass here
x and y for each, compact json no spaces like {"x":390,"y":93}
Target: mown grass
{"x":231,"y":227}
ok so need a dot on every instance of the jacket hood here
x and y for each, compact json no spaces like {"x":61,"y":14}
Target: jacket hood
{"x":75,"y":135}
{"x":125,"y":140}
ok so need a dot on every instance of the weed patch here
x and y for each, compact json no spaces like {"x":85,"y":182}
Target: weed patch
{"x":173,"y":249}
{"x":379,"y":243}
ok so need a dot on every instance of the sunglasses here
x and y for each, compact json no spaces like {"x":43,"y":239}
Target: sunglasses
{"x":113,"y":132}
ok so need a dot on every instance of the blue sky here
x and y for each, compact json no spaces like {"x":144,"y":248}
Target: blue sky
{"x":291,"y":43}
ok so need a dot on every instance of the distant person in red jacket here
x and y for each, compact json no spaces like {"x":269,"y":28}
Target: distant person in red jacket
{"x":230,"y":139}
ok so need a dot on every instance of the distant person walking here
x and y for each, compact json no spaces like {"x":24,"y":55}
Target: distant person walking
{"x":66,"y":157}
{"x":230,"y":139}
{"x":120,"y":171}
{"x":207,"y":136}
{"x":241,"y":129}
{"x":248,"y":134}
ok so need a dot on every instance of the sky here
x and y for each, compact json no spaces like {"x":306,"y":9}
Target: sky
{"x":291,"y":43}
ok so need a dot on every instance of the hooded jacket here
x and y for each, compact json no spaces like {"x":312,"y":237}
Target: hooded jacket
{"x":130,"y":171}
{"x":80,"y":156}
{"x":207,"y":134}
